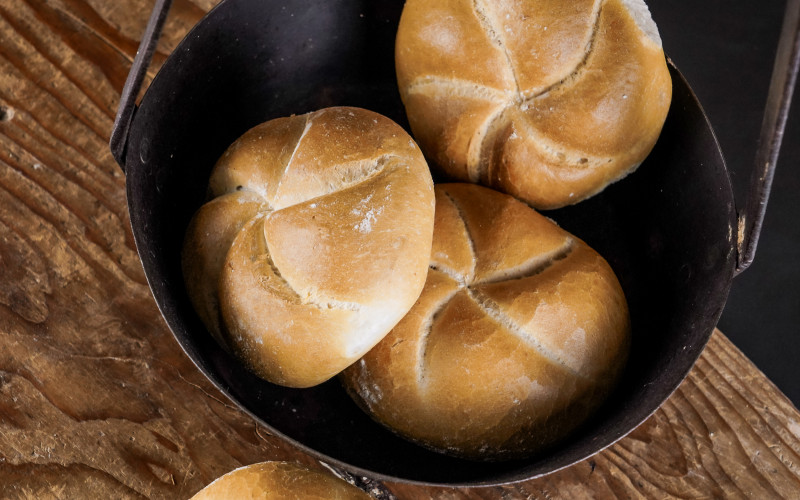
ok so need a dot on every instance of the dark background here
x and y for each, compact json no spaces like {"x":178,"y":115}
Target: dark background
{"x":725,"y":49}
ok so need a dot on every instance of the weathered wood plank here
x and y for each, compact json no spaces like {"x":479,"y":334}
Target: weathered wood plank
{"x":98,"y":401}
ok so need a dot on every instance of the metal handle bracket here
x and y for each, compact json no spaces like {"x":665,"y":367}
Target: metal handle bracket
{"x":133,"y":84}
{"x":779,"y":98}
{"x":784,"y":76}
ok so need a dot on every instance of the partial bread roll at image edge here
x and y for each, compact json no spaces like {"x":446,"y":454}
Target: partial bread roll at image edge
{"x":548,"y":101}
{"x":278,"y":481}
{"x":314,"y":243}
{"x":519,"y":335}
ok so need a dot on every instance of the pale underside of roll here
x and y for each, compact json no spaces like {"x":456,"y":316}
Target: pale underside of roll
{"x":549,"y":101}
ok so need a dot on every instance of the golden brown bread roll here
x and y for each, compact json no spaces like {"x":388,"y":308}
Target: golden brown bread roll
{"x":549,"y":101}
{"x":279,"y":481}
{"x":520,"y":333}
{"x":314,"y":244}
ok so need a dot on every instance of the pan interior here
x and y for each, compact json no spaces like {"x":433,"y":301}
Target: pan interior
{"x":667,"y":229}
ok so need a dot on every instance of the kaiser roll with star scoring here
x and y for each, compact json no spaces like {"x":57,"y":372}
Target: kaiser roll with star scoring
{"x":519,"y":335}
{"x":548,"y":100}
{"x":314,"y":244}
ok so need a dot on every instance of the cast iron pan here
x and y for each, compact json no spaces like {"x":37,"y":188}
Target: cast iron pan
{"x":670,"y":230}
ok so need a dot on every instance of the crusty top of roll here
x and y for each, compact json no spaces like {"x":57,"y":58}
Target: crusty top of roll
{"x":549,"y":100}
{"x":314,"y":243}
{"x":519,"y":334}
{"x":279,"y":481}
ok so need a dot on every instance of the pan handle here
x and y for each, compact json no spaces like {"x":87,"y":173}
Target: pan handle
{"x":133,"y":84}
{"x":784,"y":75}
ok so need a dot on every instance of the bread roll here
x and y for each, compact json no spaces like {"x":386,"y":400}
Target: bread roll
{"x":279,"y":481}
{"x":520,"y":333}
{"x":314,"y":243}
{"x":549,"y":101}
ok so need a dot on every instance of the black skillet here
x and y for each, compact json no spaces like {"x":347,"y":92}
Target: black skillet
{"x":670,"y":231}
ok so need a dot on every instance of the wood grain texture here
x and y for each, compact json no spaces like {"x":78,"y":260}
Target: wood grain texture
{"x":98,"y":401}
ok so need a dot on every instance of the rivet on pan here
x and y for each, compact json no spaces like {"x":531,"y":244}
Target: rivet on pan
{"x":144,"y":151}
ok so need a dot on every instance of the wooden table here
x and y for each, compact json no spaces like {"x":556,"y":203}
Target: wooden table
{"x":98,"y":401}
